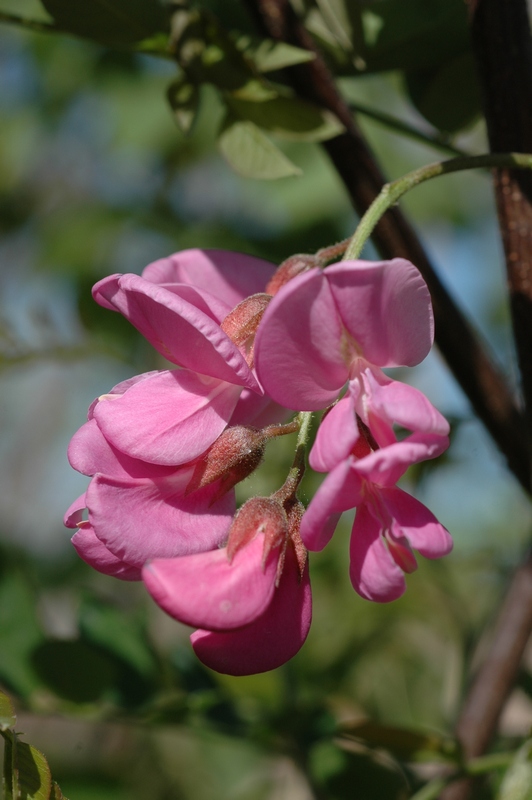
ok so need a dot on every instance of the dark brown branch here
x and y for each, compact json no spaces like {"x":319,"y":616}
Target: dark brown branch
{"x":503,"y":49}
{"x":461,"y":347}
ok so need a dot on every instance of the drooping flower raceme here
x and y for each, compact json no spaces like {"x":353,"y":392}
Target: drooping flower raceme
{"x":340,"y":326}
{"x":251,"y":599}
{"x":165,"y":449}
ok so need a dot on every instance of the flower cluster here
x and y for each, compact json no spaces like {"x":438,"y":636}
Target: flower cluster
{"x":165,"y":449}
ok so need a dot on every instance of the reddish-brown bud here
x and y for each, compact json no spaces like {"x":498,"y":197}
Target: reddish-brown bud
{"x":291,"y":268}
{"x":258,"y":515}
{"x":232,"y":457}
{"x":242,"y":322}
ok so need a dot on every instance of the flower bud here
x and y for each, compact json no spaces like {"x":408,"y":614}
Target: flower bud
{"x":258,"y":515}
{"x":242,"y":322}
{"x":289,"y":269}
{"x":232,"y":457}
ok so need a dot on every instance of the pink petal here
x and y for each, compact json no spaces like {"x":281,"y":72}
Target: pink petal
{"x":373,"y":572}
{"x":169,"y":419}
{"x":229,"y":276}
{"x":121,"y":387}
{"x":252,"y":409}
{"x":74,"y":513}
{"x":269,"y":641}
{"x":386,"y":308}
{"x":298,"y":347}
{"x":385,"y":466}
{"x":143,"y":519}
{"x":207,"y":591}
{"x":414,"y":521}
{"x":94,"y":553}
{"x":336,"y":437}
{"x":341,"y":490}
{"x":204,"y":301}
{"x":177,"y":329}
{"x":90,"y":452}
{"x":404,"y":405}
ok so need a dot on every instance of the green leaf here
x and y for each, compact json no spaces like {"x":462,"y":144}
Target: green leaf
{"x":75,"y":670}
{"x":402,"y":742}
{"x":390,"y":34}
{"x":26,"y":771}
{"x":183,"y":97}
{"x":268,"y":56}
{"x":251,"y":153}
{"x":19,"y":634}
{"x":517,"y":781}
{"x":289,"y":117}
{"x":8,"y":717}
{"x":110,"y":21}
{"x":448,"y":97}
{"x":121,"y":635}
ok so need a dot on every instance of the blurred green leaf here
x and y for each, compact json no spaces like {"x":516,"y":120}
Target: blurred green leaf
{"x":364,"y":36}
{"x":449,"y":96}
{"x":8,"y":717}
{"x":75,"y":670}
{"x":183,"y":97}
{"x":268,"y":56}
{"x":251,"y":153}
{"x":19,"y":634}
{"x":517,"y":781}
{"x":116,"y":21}
{"x":121,"y":635}
{"x":402,"y":742}
{"x":289,"y":117}
{"x":374,"y":777}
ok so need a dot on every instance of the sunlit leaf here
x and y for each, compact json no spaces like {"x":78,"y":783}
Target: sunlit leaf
{"x":26,"y":772}
{"x":117,"y":21}
{"x":449,"y":96}
{"x":517,"y":781}
{"x":183,"y":97}
{"x":8,"y":717}
{"x":251,"y":153}
{"x":289,"y":117}
{"x":268,"y":56}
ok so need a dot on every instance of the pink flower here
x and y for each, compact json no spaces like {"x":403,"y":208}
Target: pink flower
{"x":138,"y":510}
{"x":388,"y":521}
{"x":193,"y":307}
{"x":327,"y":327}
{"x":251,"y":599}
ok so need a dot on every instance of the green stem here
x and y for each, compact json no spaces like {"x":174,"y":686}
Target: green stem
{"x":391,"y":192}
{"x":476,"y":766}
{"x":395,"y":124}
{"x":297,"y":470}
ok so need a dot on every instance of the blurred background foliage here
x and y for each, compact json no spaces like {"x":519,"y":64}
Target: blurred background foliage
{"x":96,"y":178}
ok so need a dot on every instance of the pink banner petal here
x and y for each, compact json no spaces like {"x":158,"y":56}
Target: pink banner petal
{"x":385,"y":306}
{"x":207,"y":591}
{"x":169,"y":419}
{"x":177,"y":329}
{"x":143,"y":519}
{"x":230,"y":276}
{"x":272,"y":639}
{"x":298,"y":347}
